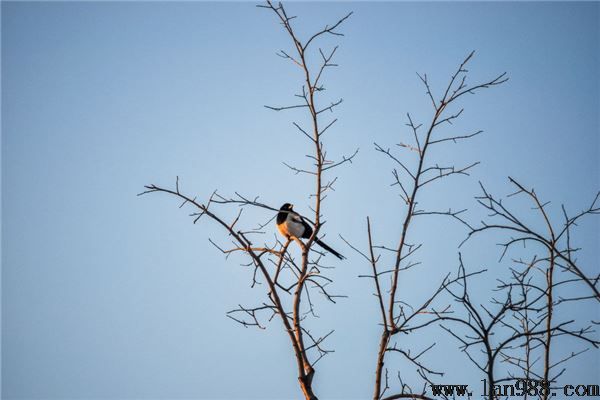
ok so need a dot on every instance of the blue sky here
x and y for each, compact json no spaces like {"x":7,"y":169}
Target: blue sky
{"x":108,"y":295}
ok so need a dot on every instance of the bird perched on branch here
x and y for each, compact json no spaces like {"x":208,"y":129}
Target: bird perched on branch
{"x":291,"y":224}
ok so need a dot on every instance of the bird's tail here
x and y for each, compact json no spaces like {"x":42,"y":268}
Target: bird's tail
{"x":329,"y":249}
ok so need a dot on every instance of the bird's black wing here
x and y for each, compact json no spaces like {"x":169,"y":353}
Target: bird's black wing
{"x":308,"y":231}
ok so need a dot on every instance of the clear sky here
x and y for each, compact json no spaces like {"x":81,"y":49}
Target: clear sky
{"x":108,"y":295}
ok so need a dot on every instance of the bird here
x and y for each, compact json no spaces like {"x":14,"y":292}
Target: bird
{"x":291,"y":224}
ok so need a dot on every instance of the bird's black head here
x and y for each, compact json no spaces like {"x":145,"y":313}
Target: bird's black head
{"x":287,"y":207}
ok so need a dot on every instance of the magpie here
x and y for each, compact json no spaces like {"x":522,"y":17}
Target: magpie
{"x":290,"y":223}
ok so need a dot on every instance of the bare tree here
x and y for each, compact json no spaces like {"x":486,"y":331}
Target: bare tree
{"x":510,"y":338}
{"x":525,"y":315}
{"x":507,"y":336}
{"x":530,"y":318}
{"x":290,"y":282}
{"x":557,"y":241}
{"x":397,"y":316}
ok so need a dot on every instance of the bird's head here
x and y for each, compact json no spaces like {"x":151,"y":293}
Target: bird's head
{"x":287,"y":207}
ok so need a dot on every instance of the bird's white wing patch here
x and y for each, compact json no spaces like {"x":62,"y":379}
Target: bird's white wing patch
{"x":294,"y":225}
